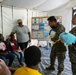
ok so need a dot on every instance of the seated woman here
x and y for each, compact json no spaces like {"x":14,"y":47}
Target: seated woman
{"x":32,"y":57}
{"x":13,"y":46}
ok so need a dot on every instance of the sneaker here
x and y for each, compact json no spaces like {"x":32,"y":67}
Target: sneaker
{"x":50,"y":68}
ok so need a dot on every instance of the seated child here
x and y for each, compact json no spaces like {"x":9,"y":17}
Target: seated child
{"x":13,"y":46}
{"x":32,"y":57}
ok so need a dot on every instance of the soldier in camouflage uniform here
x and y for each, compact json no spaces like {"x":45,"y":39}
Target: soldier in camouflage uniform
{"x":72,"y":48}
{"x":58,"y":49}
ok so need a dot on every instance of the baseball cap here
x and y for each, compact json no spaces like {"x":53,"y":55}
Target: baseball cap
{"x":19,"y":20}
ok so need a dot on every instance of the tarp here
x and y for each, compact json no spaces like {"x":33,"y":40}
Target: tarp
{"x":43,"y":5}
{"x":45,"y":62}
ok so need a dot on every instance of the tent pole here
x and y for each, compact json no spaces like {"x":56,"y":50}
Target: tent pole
{"x":1,"y":20}
{"x":27,"y":17}
{"x":12,"y":12}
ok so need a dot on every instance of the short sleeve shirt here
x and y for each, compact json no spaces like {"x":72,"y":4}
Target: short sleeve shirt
{"x":26,"y":71}
{"x":22,"y":33}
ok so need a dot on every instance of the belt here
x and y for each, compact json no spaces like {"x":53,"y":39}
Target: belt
{"x":56,"y":41}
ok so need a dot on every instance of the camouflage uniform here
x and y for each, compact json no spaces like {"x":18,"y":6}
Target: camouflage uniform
{"x":72,"y":53}
{"x":58,"y":49}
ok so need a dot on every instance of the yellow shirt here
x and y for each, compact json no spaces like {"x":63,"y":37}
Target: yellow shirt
{"x":26,"y":71}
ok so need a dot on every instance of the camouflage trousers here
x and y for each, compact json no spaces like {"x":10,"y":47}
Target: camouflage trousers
{"x":72,"y":56}
{"x":73,"y":65}
{"x":60,"y":55}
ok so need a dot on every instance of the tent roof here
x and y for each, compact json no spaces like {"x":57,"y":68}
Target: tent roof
{"x":42,"y":5}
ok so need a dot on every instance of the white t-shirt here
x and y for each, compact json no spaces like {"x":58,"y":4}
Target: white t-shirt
{"x":2,"y":46}
{"x":22,"y":33}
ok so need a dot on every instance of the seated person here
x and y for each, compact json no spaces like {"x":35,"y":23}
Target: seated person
{"x":4,"y":52}
{"x":4,"y":69}
{"x":32,"y":57}
{"x":14,"y":48}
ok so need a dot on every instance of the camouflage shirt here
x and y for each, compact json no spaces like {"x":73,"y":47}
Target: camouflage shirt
{"x":58,"y":29}
{"x":72,"y":48}
{"x":58,"y":46}
{"x":73,"y":31}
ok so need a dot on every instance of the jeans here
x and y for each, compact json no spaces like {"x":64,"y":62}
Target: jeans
{"x":9,"y":56}
{"x":19,"y":56}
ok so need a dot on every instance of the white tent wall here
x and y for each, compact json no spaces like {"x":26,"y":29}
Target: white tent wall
{"x":7,"y":20}
{"x":30,"y":14}
{"x":19,"y":13}
{"x":11,"y":14}
{"x":43,"y":5}
{"x":66,"y":14}
{"x":34,"y":14}
{"x":39,"y":14}
{"x":42,"y":14}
